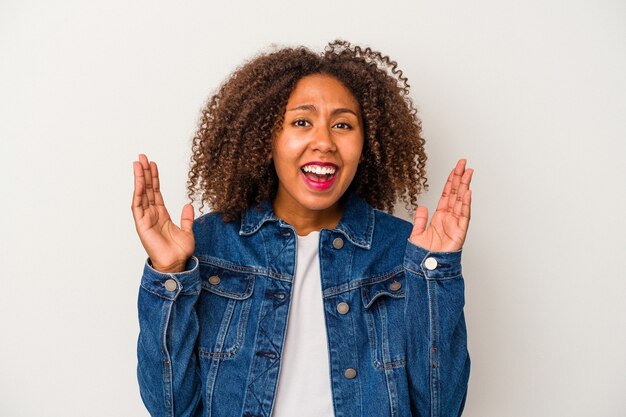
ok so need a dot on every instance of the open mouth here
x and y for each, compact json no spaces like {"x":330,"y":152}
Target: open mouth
{"x":319,"y":176}
{"x":319,"y":173}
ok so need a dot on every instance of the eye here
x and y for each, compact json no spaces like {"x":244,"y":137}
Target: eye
{"x":301,"y":123}
{"x":342,"y":125}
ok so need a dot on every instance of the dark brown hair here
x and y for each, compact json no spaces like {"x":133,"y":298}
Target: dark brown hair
{"x":231,"y":164}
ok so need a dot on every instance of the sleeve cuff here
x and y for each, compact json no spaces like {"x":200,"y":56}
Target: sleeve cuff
{"x":433,"y":265}
{"x":170,"y":285}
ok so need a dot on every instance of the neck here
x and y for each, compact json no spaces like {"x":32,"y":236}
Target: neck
{"x":307,"y":221}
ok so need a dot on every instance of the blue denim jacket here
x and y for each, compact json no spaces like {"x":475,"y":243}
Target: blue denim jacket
{"x":211,"y":337}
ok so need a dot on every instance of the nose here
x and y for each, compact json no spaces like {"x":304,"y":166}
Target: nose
{"x":323,"y":141}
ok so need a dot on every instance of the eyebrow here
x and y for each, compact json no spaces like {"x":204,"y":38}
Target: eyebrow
{"x":310,"y":107}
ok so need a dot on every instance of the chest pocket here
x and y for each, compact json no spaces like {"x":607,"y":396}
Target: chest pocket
{"x":223,"y":310}
{"x":384,"y":311}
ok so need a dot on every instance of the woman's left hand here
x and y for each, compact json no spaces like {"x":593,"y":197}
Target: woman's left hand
{"x":448,"y":226}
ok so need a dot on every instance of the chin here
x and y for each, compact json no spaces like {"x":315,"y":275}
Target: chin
{"x":319,"y":203}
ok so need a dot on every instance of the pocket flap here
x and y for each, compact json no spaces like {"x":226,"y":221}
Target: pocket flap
{"x":392,"y":287}
{"x":225,"y":282}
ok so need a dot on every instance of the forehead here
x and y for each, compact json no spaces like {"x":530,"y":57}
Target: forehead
{"x":322,"y":89}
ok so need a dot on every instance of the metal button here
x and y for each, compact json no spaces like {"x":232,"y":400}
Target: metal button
{"x":430,"y":263}
{"x":338,"y":243}
{"x":395,"y":286}
{"x":343,"y":308}
{"x":349,"y":373}
{"x":170,"y":285}
{"x":214,"y":280}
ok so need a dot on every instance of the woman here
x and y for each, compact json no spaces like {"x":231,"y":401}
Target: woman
{"x":298,"y":295}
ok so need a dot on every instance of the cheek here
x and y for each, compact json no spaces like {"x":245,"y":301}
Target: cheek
{"x":282,"y":159}
{"x":277,"y":151}
{"x":356,"y":153}
{"x":286,"y":150}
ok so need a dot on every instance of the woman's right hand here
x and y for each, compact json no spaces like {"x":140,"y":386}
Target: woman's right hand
{"x":168,"y":246}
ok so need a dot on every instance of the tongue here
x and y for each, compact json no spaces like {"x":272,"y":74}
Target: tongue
{"x":315,"y":177}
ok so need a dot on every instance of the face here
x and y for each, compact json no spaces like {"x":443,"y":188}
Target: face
{"x":317,"y":152}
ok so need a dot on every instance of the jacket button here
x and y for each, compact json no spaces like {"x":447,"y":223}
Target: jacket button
{"x":395,"y":286}
{"x":349,"y":373}
{"x":343,"y":308}
{"x":170,"y":285}
{"x":214,"y":280}
{"x":338,"y":243}
{"x":430,"y":263}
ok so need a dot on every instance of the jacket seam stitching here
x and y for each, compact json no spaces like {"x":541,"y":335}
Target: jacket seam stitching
{"x":429,"y":278}
{"x":250,"y":270}
{"x":167,"y":364}
{"x":362,"y":282}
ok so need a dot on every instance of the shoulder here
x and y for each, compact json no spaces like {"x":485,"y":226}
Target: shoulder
{"x":211,"y":225}
{"x":390,"y":228}
{"x":389,"y":220}
{"x":211,"y":218}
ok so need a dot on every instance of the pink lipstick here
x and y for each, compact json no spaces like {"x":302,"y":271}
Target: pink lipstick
{"x":319,"y":175}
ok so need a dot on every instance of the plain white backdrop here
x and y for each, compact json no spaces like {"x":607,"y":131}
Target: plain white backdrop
{"x":531,"y":93}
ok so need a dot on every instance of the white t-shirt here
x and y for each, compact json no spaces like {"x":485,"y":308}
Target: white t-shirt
{"x":304,"y":381}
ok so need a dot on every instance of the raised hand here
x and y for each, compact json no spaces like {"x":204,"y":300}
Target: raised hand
{"x":448,"y":226}
{"x":167,"y":245}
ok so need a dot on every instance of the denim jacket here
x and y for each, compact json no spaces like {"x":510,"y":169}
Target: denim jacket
{"x":211,"y":337}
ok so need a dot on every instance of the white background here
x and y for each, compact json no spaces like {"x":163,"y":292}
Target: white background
{"x":532,"y":93}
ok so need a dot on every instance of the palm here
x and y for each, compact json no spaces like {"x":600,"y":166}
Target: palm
{"x":157,"y":227}
{"x":448,"y":226}
{"x":167,"y":245}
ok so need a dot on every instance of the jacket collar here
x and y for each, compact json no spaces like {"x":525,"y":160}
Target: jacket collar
{"x":356,"y":224}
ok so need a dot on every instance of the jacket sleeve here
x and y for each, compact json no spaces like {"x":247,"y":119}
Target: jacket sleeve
{"x":167,"y":372}
{"x":437,"y":357}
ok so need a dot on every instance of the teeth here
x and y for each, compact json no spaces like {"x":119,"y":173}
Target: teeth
{"x":319,"y":170}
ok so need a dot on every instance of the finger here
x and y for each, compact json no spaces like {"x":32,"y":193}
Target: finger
{"x":148,"y":176}
{"x":420,"y":219}
{"x":459,"y":169}
{"x":156,"y":184}
{"x":466,"y":210}
{"x":463,"y":188}
{"x":144,"y":195}
{"x":443,"y":201}
{"x":466,"y":179}
{"x":186,"y":218}
{"x":138,"y":192}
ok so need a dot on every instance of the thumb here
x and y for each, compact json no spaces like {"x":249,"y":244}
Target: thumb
{"x":186,"y":218}
{"x":420,"y":219}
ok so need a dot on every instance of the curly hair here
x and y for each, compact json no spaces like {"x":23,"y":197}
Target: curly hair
{"x":231,"y":164}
